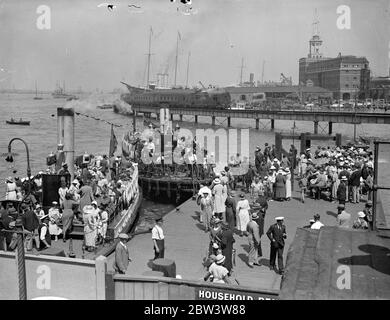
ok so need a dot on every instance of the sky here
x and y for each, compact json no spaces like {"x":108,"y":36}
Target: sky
{"x":90,"y":47}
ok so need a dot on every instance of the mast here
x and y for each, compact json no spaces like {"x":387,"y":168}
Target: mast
{"x":149,"y":54}
{"x":177,"y":53}
{"x":242,"y":67}
{"x":64,"y":86}
{"x":188,"y":68}
{"x":262,"y":73}
{"x":36,"y":88}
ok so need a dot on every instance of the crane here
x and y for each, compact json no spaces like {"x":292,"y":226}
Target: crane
{"x":285,"y":81}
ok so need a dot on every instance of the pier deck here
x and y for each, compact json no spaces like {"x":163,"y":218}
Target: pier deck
{"x":186,"y":242}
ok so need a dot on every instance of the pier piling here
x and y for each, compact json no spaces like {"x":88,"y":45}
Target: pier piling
{"x":213,"y":120}
{"x":330,"y":128}
{"x":257,"y":124}
{"x":196,"y":119}
{"x":272,"y":124}
{"x":315,"y":127}
{"x":229,"y":122}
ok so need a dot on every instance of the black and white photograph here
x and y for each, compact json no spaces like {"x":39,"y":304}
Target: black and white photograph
{"x":199,"y":150}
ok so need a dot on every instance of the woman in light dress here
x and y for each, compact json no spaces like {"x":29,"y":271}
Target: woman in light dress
{"x":11,"y":189}
{"x":288,"y":184}
{"x":219,"y":192}
{"x":90,"y":227}
{"x":242,"y":214}
{"x":62,"y":191}
{"x":54,"y":218}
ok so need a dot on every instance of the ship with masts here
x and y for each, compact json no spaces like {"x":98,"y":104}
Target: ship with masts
{"x":59,"y":93}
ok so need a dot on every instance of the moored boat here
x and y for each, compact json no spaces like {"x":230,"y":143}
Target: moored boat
{"x":18,"y":122}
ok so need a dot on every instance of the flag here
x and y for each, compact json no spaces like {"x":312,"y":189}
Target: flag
{"x":113,"y":142}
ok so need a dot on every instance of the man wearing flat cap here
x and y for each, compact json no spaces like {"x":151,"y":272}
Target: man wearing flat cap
{"x":158,"y":239}
{"x":122,"y":254}
{"x":276,"y":234}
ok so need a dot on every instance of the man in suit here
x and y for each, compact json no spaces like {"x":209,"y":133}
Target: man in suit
{"x":122,"y":255}
{"x":254,"y":240}
{"x":261,"y":211}
{"x":276,"y":234}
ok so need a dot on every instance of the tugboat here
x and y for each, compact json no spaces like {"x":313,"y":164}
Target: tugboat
{"x":21,"y":122}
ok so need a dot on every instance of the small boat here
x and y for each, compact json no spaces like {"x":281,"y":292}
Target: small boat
{"x":105,"y":106}
{"x":20,"y":122}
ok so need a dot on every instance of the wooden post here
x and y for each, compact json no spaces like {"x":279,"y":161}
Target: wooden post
{"x":330,"y":127}
{"x":196,"y":119}
{"x":272,"y":124}
{"x":171,"y":116}
{"x":315,"y":127}
{"x":228,"y":122}
{"x":181,"y":118}
{"x":278,"y":144}
{"x":213,"y":120}
{"x":257,"y":124}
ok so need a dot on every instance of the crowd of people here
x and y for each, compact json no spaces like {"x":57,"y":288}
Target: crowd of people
{"x":335,"y":174}
{"x":94,"y":195}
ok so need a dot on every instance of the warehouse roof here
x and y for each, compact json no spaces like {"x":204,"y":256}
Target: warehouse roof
{"x":282,"y":89}
{"x":318,"y":258}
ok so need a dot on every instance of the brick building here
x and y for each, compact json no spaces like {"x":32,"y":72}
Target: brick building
{"x":348,"y":76}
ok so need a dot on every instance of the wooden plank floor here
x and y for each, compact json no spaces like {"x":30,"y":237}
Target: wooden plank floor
{"x":186,"y":242}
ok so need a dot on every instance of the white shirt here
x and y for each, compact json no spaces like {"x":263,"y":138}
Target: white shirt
{"x":157,"y":233}
{"x":43,"y":232}
{"x":317,"y":225}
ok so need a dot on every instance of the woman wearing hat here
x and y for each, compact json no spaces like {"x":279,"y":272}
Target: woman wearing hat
{"x":360,"y":222}
{"x":10,"y":193}
{"x":62,"y":191}
{"x":219,"y":273}
{"x":55,"y":219}
{"x":242,"y":214}
{"x":280,"y":186}
{"x":219,"y":192}
{"x":206,"y":206}
{"x":90,"y":227}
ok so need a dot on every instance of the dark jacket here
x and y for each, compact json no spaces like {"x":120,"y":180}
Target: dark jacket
{"x":354,"y":179}
{"x":30,"y":221}
{"x":277,"y":234}
{"x":121,"y":258}
{"x":342,"y":192}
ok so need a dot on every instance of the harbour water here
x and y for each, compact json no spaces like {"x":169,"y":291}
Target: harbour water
{"x":93,"y":136}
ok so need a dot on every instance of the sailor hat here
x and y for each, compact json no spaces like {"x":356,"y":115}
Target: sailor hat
{"x":279,"y":218}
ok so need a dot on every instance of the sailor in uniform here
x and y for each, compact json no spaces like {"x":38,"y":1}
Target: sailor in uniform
{"x":276,"y":234}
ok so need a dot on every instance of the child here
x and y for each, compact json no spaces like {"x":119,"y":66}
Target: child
{"x":303,"y":185}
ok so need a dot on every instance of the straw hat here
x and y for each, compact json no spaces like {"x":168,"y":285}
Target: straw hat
{"x":220,"y":259}
{"x":217,"y":181}
{"x":123,"y":236}
{"x":9,"y":179}
{"x":344,"y":178}
{"x":272,"y":168}
{"x":254,"y":214}
{"x":242,"y":196}
{"x":54,"y":203}
{"x":88,"y":209}
{"x":361,"y":214}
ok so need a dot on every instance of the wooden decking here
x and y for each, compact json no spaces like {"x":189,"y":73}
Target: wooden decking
{"x":186,"y":242}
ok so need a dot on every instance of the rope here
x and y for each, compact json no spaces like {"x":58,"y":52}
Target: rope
{"x":21,"y":268}
{"x":98,"y":119}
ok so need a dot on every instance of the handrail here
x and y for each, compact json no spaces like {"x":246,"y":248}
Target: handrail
{"x":194,"y":283}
